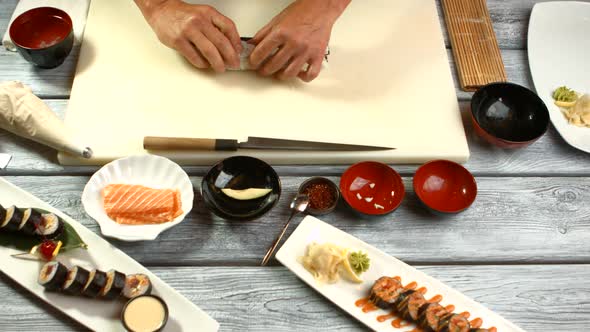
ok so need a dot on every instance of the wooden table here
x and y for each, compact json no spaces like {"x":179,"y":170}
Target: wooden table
{"x":523,"y":248}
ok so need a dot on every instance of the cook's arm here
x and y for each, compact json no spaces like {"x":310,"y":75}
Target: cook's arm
{"x":200,"y":33}
{"x":301,"y":33}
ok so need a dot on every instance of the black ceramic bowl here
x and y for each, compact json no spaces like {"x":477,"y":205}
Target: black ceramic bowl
{"x":509,"y":115}
{"x":44,"y":36}
{"x":240,"y":173}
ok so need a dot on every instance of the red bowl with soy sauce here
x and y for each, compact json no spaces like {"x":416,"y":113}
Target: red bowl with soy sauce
{"x":372,"y":189}
{"x":44,"y":36}
{"x":445,"y":187}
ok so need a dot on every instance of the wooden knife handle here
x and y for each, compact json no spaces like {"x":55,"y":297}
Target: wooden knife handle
{"x":182,"y":143}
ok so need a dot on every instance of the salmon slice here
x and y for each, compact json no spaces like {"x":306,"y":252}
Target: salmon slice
{"x":136,"y":204}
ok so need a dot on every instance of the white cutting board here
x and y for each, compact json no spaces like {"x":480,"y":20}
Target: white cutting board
{"x":388,"y":83}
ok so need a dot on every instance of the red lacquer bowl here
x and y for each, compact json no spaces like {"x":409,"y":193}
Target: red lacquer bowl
{"x":372,"y":188}
{"x":44,"y":36}
{"x":444,"y":186}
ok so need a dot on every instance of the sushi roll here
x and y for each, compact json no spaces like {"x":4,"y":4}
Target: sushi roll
{"x":96,"y":282}
{"x":32,"y":219}
{"x":136,"y":285}
{"x":385,"y":292}
{"x":26,"y":215}
{"x":13,"y":219}
{"x":454,"y":323}
{"x":114,"y":286}
{"x":408,"y":304}
{"x":50,"y":227}
{"x":429,"y":316}
{"x":76,"y":279}
{"x":53,"y":275}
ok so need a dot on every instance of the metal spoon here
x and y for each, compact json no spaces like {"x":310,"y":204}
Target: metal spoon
{"x":298,"y":205}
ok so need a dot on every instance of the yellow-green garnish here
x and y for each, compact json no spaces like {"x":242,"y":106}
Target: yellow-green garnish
{"x":359,"y":261}
{"x":565,"y":94}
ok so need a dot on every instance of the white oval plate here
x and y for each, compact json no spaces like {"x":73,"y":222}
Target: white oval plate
{"x":559,"y":54}
{"x":147,"y":170}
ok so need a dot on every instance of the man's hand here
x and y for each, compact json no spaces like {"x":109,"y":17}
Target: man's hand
{"x":200,"y":33}
{"x":299,"y":35}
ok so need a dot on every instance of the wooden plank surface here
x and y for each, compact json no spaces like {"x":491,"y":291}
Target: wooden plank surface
{"x":549,"y":156}
{"x":539,"y":298}
{"x":513,"y":220}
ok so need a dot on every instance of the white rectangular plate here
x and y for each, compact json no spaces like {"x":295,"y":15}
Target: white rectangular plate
{"x":345,"y":294}
{"x":559,"y":54}
{"x":95,"y":314}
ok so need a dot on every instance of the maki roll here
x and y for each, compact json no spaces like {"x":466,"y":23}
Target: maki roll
{"x":454,"y":323}
{"x":96,"y":282}
{"x":408,"y":304}
{"x":429,"y":316}
{"x":76,"y":279}
{"x":385,"y":292}
{"x":13,"y":219}
{"x":136,"y":285}
{"x":52,"y":276}
{"x":114,"y":286}
{"x":50,"y":227}
{"x":32,"y":219}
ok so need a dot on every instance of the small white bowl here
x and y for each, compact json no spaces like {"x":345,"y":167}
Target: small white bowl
{"x":147,"y":170}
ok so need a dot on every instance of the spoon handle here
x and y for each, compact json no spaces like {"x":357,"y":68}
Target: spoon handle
{"x":277,"y":241}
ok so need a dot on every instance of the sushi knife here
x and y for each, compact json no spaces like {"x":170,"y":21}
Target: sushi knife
{"x":209,"y":144}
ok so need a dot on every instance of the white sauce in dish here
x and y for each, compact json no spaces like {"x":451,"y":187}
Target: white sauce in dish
{"x":144,"y":314}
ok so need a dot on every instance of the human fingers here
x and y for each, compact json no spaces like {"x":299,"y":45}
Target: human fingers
{"x":263,"y":50}
{"x":293,"y":69}
{"x":228,"y":28}
{"x":208,"y":50}
{"x":313,"y":70}
{"x":277,"y":61}
{"x":261,"y":34}
{"x":224,"y":46}
{"x":188,"y":50}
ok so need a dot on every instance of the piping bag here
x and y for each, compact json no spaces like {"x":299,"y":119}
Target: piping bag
{"x":24,"y":114}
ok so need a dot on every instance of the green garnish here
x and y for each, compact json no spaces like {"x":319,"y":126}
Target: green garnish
{"x":565,"y":94}
{"x":359,"y":261}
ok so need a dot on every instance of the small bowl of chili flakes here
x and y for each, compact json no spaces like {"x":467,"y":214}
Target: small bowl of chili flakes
{"x":323,"y":195}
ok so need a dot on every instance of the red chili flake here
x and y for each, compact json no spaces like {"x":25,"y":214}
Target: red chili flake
{"x":321,"y":196}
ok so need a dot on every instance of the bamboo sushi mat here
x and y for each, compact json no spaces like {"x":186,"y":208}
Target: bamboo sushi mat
{"x":474,"y":43}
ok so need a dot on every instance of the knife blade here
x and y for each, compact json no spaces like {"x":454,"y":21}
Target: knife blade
{"x":4,"y":160}
{"x":209,"y":144}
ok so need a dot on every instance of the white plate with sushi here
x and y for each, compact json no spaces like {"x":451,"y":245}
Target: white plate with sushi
{"x":96,"y":314}
{"x":559,"y":55}
{"x":437,"y":303}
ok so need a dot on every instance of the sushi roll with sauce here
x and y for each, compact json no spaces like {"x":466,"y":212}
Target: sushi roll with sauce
{"x":429,"y":316}
{"x":96,"y":282}
{"x":385,"y":292}
{"x":32,"y":219}
{"x":12,"y":220}
{"x":76,"y":279}
{"x":52,"y":276}
{"x":408,"y":304}
{"x":454,"y":323}
{"x":50,"y":227}
{"x":136,"y":285}
{"x":114,"y":286}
